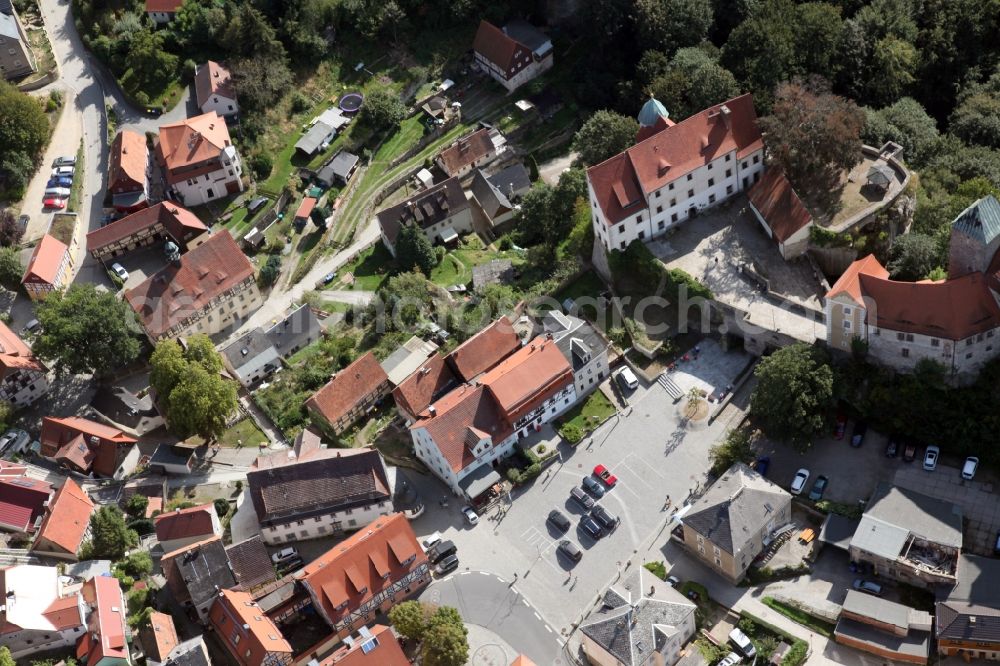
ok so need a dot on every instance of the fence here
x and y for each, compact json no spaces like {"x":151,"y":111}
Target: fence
{"x":424,"y":140}
{"x":255,"y":236}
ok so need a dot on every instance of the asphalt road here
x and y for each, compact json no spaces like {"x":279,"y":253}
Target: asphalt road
{"x":487,"y":600}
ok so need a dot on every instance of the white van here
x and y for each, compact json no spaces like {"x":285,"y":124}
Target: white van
{"x":970,"y":467}
{"x":742,"y":643}
{"x":627,"y":379}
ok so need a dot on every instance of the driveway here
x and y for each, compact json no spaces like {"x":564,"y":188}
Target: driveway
{"x":651,"y":449}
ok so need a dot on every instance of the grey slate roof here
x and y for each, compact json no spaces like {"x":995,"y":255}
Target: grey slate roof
{"x":425,"y":209}
{"x":633,"y":623}
{"x":338,"y":168}
{"x":529,"y":35}
{"x":295,"y":331}
{"x":8,"y":27}
{"x":736,"y":506}
{"x":894,"y":513}
{"x":575,"y":338}
{"x":204,"y":568}
{"x":493,"y":201}
{"x":167,"y":454}
{"x":249,"y":346}
{"x":191,"y":652}
{"x":976,"y":594}
{"x":885,"y":611}
{"x":512,"y":181}
{"x":980,"y":221}
{"x":6,"y":7}
{"x":914,"y":643}
{"x":838,"y":530}
{"x":251,"y":563}
{"x":313,"y":138}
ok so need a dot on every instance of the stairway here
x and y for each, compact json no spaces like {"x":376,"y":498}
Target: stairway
{"x":671,"y":388}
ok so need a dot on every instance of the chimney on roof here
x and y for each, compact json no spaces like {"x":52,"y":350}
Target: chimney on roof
{"x":432,"y":410}
{"x":726,"y":116}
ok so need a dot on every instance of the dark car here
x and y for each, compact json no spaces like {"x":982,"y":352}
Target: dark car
{"x":763,"y":463}
{"x":819,"y":487}
{"x":558,"y":520}
{"x":590,"y":526}
{"x":441,"y":551}
{"x":608,"y":520}
{"x":892,"y":448}
{"x":570,"y":550}
{"x":858,"y":434}
{"x":449,"y":563}
{"x":255,"y":205}
{"x":582,"y":498}
{"x":329,"y":277}
{"x":909,"y":452}
{"x":59,"y":182}
{"x":593,"y":485}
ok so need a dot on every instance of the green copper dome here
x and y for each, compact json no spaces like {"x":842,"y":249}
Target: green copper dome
{"x":651,"y":111}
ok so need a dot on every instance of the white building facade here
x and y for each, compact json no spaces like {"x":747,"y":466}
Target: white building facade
{"x":326,"y":525}
{"x":226,"y":179}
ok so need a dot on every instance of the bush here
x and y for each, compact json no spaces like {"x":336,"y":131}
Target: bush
{"x":658,"y":569}
{"x":261,"y":165}
{"x":571,"y":432}
{"x":852,"y":511}
{"x":797,"y":655}
{"x":142,"y":526}
{"x":299,"y":103}
{"x":221,"y":507}
{"x":541,"y":449}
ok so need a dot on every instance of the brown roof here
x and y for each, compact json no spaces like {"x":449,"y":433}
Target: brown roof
{"x":178,"y":291}
{"x":251,"y":563}
{"x":427,"y":208}
{"x":159,"y":637}
{"x":127,"y":162}
{"x":192,"y":141}
{"x":424,"y":385}
{"x":779,"y":205}
{"x":850,"y":283}
{"x":195,"y":521}
{"x":348,"y":388}
{"x":14,"y":354}
{"x":484,"y":349}
{"x":178,"y":221}
{"x":212,"y":79}
{"x":284,"y":487}
{"x":498,"y":47}
{"x":466,"y":151}
{"x":386,"y":651}
{"x":64,"y":612}
{"x":305,"y":208}
{"x":67,"y":520}
{"x":170,"y":6}
{"x":62,"y":438}
{"x":22,"y":501}
{"x":528,"y":377}
{"x":43,"y":267}
{"x":620,"y":182}
{"x":264,"y":635}
{"x":369,"y":561}
{"x":460,"y":420}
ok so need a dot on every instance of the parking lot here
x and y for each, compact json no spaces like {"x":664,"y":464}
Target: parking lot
{"x":654,"y":453}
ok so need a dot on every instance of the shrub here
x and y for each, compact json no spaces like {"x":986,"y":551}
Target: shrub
{"x":299,"y":103}
{"x":541,"y":449}
{"x":571,"y":432}
{"x":796,"y":656}
{"x":221,"y":507}
{"x":658,"y":569}
{"x":142,"y":526}
{"x":261,"y":165}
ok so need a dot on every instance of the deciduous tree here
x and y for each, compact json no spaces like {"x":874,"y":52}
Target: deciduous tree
{"x":23,"y":125}
{"x":445,"y":644}
{"x":167,"y":366}
{"x":11,"y":268}
{"x":667,"y":25}
{"x":604,"y":135}
{"x":793,"y":394}
{"x":382,"y":109}
{"x":201,"y":404}
{"x":10,"y":231}
{"x":86,"y":331}
{"x":413,"y":250}
{"x":409,"y":619}
{"x":136,"y":505}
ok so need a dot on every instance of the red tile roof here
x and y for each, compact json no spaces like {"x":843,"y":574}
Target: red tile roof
{"x":14,"y":354}
{"x":348,"y":388}
{"x":178,"y":291}
{"x":160,"y":637}
{"x":461,"y":419}
{"x":60,"y":438}
{"x":779,"y":205}
{"x":485,"y":349}
{"x":66,"y":523}
{"x":620,"y":182}
{"x":178,"y":221}
{"x":11,"y":470}
{"x":387,"y":651}
{"x":127,"y":162}
{"x":212,"y":79}
{"x":305,"y":208}
{"x":260,"y":636}
{"x":850,"y":282}
{"x":466,"y":151}
{"x":22,"y":501}
{"x":418,"y":390}
{"x":191,"y":142}
{"x":195,"y":521}
{"x":499,"y":48}
{"x":351,"y":572}
{"x":105,"y":637}
{"x":170,"y":6}
{"x":43,"y":267}
{"x":64,"y":613}
{"x":528,"y":377}
{"x":649,"y":130}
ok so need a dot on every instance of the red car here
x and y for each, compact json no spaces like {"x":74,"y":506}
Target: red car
{"x":605,"y":475}
{"x":54,"y":202}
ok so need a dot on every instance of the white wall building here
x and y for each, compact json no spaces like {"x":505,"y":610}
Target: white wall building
{"x":42,"y":611}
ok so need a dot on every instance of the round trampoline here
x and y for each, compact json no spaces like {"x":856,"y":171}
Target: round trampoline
{"x":351,"y":102}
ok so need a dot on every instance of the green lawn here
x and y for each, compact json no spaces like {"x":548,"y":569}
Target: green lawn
{"x":372,"y":267}
{"x":815,"y":624}
{"x":582,"y":419}
{"x":245,"y":431}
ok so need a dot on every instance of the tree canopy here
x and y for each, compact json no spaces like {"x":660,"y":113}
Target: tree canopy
{"x":109,"y":536}
{"x":382,"y":109}
{"x":914,"y":256}
{"x":793,"y":394}
{"x":198,"y":399}
{"x":413,"y":250}
{"x":604,"y":135}
{"x":86,"y":331}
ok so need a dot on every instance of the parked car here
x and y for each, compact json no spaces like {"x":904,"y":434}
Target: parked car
{"x":120,"y":271}
{"x":841,"y":424}
{"x":470,"y":514}
{"x":762,"y":464}
{"x":799,"y":482}
{"x":255,"y":204}
{"x":63,"y":171}
{"x":742,"y":643}
{"x":441,"y":551}
{"x":819,"y":487}
{"x":970,"y":467}
{"x":608,"y":520}
{"x":673,"y":581}
{"x":432,"y":540}
{"x":7,"y":439}
{"x":57,"y":192}
{"x":570,"y":550}
{"x":59,"y":182}
{"x":731,"y":659}
{"x":590,"y":526}
{"x":626,"y":379}
{"x":867,"y":586}
{"x":30,"y":327}
{"x":892,"y":448}
{"x":329,"y":277}
{"x":63,"y":161}
{"x":54,"y":202}
{"x":593,"y":485}
{"x":931,"y":458}
{"x":582,"y":498}
{"x":605,"y":475}
{"x":558,"y":520}
{"x":909,"y":452}
{"x":23,"y":220}
{"x":858,"y":434}
{"x":284,"y":554}
{"x":449,"y":563}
